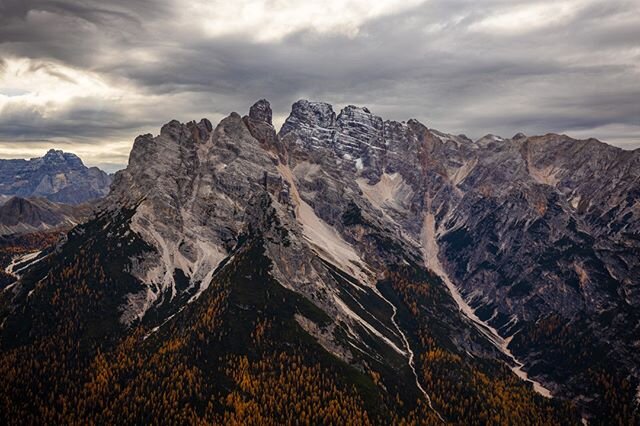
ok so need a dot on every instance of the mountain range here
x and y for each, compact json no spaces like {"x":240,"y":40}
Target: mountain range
{"x":47,"y":193}
{"x":344,"y":269}
{"x":57,"y":176}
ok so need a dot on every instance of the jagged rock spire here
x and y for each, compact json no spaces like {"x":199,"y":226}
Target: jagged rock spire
{"x":261,"y":111}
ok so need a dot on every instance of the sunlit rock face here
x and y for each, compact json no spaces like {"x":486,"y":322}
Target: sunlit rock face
{"x":58,"y":176}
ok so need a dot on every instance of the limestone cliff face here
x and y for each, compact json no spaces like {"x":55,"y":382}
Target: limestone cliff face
{"x":515,"y":231}
{"x":526,"y":229}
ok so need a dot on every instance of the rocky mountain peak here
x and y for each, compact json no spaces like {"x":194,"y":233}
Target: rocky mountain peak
{"x":360,"y":115}
{"x":58,"y":157}
{"x":354,"y":109}
{"x":173,"y":132}
{"x":201,"y":130}
{"x":306,"y":113}
{"x":172,"y":129}
{"x":58,"y":176}
{"x":54,"y":154}
{"x":261,"y":111}
{"x":518,"y":136}
{"x":260,"y":125}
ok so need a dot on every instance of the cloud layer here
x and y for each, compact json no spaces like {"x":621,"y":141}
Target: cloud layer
{"x":90,"y":76}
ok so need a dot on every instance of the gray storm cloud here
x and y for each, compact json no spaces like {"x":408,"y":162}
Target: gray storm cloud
{"x":92,"y":75}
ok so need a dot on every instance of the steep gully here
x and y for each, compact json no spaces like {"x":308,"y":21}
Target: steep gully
{"x":430,"y":252}
{"x":21,"y":259}
{"x":410,"y":356}
{"x":318,"y":230}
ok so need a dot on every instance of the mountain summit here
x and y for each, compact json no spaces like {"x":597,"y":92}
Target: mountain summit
{"x":346,"y":269}
{"x":57,"y":176}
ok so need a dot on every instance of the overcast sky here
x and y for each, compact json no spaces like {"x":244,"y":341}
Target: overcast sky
{"x":88,"y":76}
